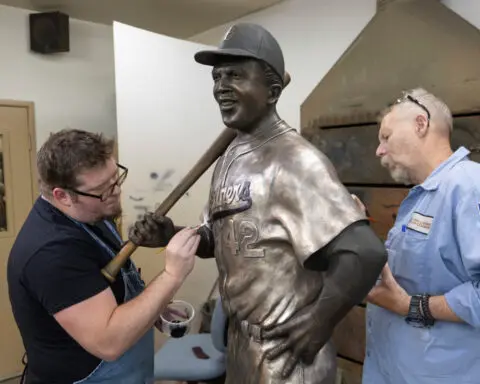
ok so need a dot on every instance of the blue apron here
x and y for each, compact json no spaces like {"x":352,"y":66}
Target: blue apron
{"x":135,"y":366}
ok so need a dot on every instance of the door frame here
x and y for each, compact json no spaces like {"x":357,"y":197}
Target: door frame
{"x":32,"y":138}
{"x":30,"y":108}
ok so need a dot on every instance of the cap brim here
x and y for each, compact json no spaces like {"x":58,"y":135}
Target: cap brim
{"x":214,"y":56}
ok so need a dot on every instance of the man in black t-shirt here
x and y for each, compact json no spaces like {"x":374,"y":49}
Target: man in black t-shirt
{"x":76,"y":326}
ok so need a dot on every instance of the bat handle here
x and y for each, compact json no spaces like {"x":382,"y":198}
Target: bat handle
{"x":111,"y":270}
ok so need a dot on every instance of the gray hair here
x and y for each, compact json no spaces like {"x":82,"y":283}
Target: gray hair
{"x":439,"y":111}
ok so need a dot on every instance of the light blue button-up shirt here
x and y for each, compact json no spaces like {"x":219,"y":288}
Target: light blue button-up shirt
{"x":434,"y":248}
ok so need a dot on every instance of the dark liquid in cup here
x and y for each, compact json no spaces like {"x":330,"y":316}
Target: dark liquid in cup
{"x":179,"y":331}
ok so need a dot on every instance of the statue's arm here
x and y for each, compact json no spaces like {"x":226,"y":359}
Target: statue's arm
{"x":353,"y":260}
{"x":207,"y":245}
{"x":329,"y":234}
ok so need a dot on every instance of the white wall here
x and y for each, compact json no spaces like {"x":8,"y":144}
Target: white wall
{"x":313,"y":35}
{"x":468,"y":9}
{"x":74,"y":89}
{"x":165,"y":123}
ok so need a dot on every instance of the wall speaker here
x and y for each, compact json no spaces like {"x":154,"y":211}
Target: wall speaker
{"x":49,"y":32}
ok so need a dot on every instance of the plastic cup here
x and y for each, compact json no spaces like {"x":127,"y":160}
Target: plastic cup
{"x":177,"y":318}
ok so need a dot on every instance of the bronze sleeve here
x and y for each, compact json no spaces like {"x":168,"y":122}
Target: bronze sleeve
{"x":207,"y":245}
{"x":355,"y":260}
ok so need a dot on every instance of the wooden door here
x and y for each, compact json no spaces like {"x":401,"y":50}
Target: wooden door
{"x":18,"y":190}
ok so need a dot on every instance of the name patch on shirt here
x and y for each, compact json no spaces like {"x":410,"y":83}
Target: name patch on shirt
{"x":420,"y":223}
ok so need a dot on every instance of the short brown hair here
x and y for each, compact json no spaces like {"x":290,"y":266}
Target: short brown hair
{"x":67,"y":153}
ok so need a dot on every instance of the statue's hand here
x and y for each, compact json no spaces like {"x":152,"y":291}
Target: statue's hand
{"x":152,"y":231}
{"x":304,"y":336}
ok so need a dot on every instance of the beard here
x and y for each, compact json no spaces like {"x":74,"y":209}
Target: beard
{"x":397,"y":172}
{"x":114,"y":212}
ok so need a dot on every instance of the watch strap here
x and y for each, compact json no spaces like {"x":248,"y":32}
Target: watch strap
{"x":415,"y":317}
{"x":425,"y":306}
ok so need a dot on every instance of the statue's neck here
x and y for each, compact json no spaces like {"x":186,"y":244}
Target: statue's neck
{"x":262,"y":127}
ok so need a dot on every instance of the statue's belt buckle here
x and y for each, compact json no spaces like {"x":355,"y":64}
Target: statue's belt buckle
{"x":252,"y":330}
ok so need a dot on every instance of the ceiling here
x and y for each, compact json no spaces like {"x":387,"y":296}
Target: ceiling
{"x":176,"y":18}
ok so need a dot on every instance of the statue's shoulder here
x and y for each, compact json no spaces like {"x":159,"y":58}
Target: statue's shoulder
{"x":297,"y":152}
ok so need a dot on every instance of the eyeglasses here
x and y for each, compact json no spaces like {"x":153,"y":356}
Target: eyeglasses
{"x":109,"y":191}
{"x":407,"y":97}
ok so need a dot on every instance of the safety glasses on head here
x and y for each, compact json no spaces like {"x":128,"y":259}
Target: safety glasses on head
{"x":407,"y":97}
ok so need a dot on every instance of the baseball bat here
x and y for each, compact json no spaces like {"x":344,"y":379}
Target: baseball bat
{"x":111,"y":270}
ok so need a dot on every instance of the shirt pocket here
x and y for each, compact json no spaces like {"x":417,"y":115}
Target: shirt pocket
{"x":411,"y":235}
{"x":409,"y":258}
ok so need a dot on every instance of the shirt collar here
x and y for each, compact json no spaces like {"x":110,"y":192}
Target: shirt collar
{"x":434,"y":179}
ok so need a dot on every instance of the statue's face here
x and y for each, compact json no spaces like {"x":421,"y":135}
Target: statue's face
{"x":241,"y":92}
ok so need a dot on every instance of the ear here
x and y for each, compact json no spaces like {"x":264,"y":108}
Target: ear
{"x":62,"y":196}
{"x":421,"y":125}
{"x":274,"y":94}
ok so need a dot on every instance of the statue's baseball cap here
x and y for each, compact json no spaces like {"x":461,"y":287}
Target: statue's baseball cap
{"x":249,"y":41}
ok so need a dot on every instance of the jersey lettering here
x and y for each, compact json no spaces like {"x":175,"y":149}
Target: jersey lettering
{"x":248,"y":233}
{"x":230,"y":199}
{"x":240,"y":236}
{"x":229,"y":237}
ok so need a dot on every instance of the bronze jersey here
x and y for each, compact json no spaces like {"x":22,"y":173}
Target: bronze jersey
{"x":275,"y":199}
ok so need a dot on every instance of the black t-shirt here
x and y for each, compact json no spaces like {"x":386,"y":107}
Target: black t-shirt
{"x":54,"y":264}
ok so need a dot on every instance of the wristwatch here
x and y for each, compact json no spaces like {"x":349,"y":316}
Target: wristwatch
{"x":415,"y":317}
{"x":419,"y":314}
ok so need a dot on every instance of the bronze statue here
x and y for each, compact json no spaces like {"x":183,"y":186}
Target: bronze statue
{"x":293,"y":250}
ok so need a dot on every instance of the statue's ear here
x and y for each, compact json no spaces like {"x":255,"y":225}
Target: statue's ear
{"x":274,"y":94}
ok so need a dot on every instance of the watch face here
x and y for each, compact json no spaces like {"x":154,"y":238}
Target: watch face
{"x":414,"y":317}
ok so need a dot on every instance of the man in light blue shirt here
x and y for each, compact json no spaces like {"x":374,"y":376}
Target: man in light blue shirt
{"x":423,"y":316}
